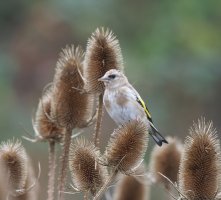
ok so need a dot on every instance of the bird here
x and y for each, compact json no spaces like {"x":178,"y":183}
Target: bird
{"x":123,"y":103}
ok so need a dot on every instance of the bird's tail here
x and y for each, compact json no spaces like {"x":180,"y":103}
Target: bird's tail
{"x":158,"y":138}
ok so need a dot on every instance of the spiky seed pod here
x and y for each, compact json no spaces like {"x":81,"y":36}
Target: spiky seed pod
{"x":199,"y":173}
{"x":71,"y":107}
{"x":13,"y":156}
{"x":166,"y":160}
{"x":87,"y":174}
{"x":33,"y":193}
{"x":135,"y":187}
{"x":131,"y":188}
{"x":103,"y":53}
{"x":127,"y":146}
{"x":44,"y":126}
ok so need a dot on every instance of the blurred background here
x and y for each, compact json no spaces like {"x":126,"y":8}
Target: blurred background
{"x":171,"y":49}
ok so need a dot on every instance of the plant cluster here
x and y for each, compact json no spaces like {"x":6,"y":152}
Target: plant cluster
{"x":74,"y":100}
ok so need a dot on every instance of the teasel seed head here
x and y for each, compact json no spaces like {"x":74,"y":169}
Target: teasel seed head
{"x":44,"y":126}
{"x":87,"y":174}
{"x":166,"y":160}
{"x":103,"y":53}
{"x":135,"y":187}
{"x":31,"y":188}
{"x":199,"y":173}
{"x":131,"y":188}
{"x":14,"y":159}
{"x":71,"y":107}
{"x":127,"y":146}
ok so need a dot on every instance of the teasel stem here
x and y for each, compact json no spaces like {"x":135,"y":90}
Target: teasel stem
{"x":99,"y":120}
{"x":64,"y":162}
{"x":86,"y":195}
{"x":52,"y":168}
{"x":106,"y":185}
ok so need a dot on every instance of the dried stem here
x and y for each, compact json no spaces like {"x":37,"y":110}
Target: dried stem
{"x":64,"y":162}
{"x":52,"y":167}
{"x":106,"y":185}
{"x":98,"y":122}
{"x":86,"y":195}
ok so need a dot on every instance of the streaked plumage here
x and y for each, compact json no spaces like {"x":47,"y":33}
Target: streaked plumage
{"x":123,"y":103}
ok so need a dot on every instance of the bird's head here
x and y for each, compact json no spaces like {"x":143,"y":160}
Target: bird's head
{"x":113,"y":78}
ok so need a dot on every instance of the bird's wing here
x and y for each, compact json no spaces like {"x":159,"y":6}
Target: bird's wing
{"x":141,"y":102}
{"x":135,"y":95}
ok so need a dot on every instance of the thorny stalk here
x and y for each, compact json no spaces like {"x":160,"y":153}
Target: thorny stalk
{"x":98,"y":122}
{"x":64,"y":162}
{"x":86,"y":195}
{"x":52,"y":168}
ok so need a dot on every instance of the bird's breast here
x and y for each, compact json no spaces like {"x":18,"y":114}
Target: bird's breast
{"x":115,"y":107}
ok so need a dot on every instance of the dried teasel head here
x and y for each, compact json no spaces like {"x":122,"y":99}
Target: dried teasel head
{"x":131,"y":188}
{"x":31,"y":188}
{"x":44,"y":126}
{"x":15,"y":161}
{"x":103,"y":53}
{"x":199,"y":174}
{"x":136,"y":187}
{"x":71,"y":107}
{"x":127,"y":146}
{"x":166,"y":160}
{"x":87,"y":174}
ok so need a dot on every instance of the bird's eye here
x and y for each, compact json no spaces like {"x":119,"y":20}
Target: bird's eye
{"x":112,"y":76}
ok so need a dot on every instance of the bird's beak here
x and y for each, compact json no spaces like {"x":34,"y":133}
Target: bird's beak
{"x":103,"y":79}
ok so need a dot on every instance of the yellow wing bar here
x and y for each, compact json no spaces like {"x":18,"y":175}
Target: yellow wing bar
{"x":141,"y":102}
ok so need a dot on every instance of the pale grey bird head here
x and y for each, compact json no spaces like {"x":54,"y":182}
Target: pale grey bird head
{"x":113,"y":79}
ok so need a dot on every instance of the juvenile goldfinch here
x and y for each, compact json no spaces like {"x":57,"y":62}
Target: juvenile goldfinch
{"x":123,"y":103}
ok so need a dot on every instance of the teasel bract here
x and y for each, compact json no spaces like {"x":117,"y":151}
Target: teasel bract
{"x":86,"y":172}
{"x":71,"y":106}
{"x":199,"y":173}
{"x":125,"y":150}
{"x":102,"y":54}
{"x":166,"y":160}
